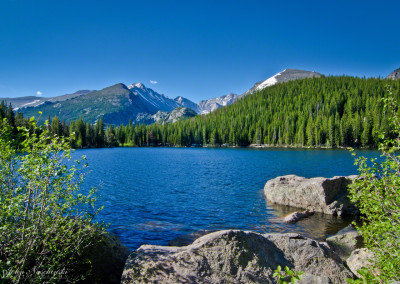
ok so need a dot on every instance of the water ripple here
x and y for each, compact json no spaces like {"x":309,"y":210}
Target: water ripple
{"x":152,"y":195}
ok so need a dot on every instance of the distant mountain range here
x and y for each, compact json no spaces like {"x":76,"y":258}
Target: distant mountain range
{"x":119,"y":104}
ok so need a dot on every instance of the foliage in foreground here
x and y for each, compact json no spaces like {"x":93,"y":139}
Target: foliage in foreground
{"x":377,"y":195}
{"x":45,"y":223}
{"x":286,"y":273}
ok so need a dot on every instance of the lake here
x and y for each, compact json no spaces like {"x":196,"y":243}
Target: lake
{"x":153,"y":195}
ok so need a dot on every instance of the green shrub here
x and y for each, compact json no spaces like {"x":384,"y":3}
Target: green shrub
{"x":45,"y":222}
{"x":377,"y":195}
{"x":286,"y":275}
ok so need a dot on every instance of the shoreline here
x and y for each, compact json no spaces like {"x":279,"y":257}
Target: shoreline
{"x":252,"y":146}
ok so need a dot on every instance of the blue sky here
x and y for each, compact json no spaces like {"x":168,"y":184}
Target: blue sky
{"x":195,"y":49}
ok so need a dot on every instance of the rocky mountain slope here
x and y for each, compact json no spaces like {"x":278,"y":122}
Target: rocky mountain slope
{"x":154,"y":100}
{"x":207,"y":106}
{"x":284,"y":76}
{"x":117,"y":104}
{"x":32,"y":101}
{"x":166,"y":117}
{"x":187,"y":103}
{"x":394,"y":75}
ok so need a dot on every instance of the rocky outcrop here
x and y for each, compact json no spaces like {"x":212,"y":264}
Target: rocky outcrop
{"x":358,"y":259}
{"x":234,"y":256}
{"x":394,"y":75}
{"x":326,"y":195}
{"x":345,"y":241}
{"x":297,"y":216}
{"x":108,"y":258}
{"x":207,"y":106}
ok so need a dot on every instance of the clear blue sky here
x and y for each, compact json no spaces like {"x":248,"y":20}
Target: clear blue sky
{"x":195,"y":49}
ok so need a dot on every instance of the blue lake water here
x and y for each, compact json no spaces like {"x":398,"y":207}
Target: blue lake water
{"x":153,"y":195}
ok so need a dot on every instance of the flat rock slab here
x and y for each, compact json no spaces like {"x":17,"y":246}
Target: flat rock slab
{"x":234,"y":256}
{"x":326,"y":195}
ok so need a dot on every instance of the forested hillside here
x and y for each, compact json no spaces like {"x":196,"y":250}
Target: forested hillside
{"x":326,"y":111}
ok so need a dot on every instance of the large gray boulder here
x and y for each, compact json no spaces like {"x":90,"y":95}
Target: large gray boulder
{"x":345,"y":241}
{"x":234,"y":256}
{"x":326,"y":195}
{"x":359,"y":258}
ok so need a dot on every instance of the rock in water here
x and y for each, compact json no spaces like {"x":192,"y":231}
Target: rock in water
{"x":234,"y":256}
{"x":297,"y":216}
{"x":326,"y":195}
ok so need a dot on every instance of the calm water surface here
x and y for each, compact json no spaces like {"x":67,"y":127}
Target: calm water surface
{"x":153,"y":195}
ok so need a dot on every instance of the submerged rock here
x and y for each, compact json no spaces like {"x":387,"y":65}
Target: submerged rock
{"x":345,"y":241}
{"x":326,"y":195}
{"x":234,"y":256}
{"x":297,"y":216}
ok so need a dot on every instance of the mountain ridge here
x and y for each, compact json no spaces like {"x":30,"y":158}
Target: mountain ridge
{"x":283,"y":76}
{"x":394,"y":75}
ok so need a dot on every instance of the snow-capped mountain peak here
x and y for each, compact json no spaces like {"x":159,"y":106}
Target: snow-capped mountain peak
{"x":137,"y":85}
{"x":179,"y":99}
{"x":160,"y":102}
{"x":283,"y":76}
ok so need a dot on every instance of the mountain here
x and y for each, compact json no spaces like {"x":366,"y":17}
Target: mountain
{"x":115,"y":104}
{"x":207,"y":106}
{"x":394,"y":75}
{"x":24,"y":101}
{"x":166,"y":117}
{"x":31,"y":101}
{"x":160,"y":102}
{"x":69,"y":96}
{"x":284,"y":76}
{"x":187,"y":103}
{"x":154,"y":100}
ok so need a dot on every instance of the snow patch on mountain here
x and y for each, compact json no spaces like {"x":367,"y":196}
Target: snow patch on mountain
{"x":207,"y":106}
{"x":284,"y":76}
{"x":160,"y":102}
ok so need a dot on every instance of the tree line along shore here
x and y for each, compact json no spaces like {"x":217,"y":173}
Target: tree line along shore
{"x":326,"y":112}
